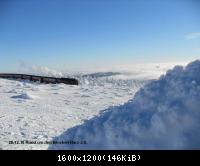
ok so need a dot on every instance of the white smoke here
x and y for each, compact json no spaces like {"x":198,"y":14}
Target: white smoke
{"x":164,"y":114}
{"x":38,"y":70}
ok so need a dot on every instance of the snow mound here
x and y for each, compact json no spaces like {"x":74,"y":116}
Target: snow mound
{"x":26,"y":96}
{"x":164,"y":114}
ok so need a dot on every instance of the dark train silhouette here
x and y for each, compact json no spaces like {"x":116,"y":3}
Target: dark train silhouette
{"x":41,"y":79}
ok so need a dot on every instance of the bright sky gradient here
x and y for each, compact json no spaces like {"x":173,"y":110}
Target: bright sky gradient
{"x":59,"y":33}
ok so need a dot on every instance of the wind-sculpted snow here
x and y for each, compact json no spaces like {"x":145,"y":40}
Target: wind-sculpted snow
{"x":109,"y":81}
{"x":164,"y":114}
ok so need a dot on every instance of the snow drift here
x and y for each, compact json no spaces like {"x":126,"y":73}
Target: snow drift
{"x":25,"y":96}
{"x":164,"y":114}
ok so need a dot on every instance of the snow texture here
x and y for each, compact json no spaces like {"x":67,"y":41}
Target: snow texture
{"x":38,"y":112}
{"x":164,"y":114}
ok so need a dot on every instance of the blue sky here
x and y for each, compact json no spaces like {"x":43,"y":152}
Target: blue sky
{"x":56,"y":33}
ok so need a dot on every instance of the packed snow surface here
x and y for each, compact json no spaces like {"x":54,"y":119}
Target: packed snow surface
{"x":102,"y":110}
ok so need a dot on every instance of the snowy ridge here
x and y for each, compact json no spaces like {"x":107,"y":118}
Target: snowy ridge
{"x":101,"y":74}
{"x":164,"y":114}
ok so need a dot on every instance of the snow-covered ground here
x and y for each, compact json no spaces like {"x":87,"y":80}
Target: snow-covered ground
{"x":38,"y":112}
{"x":164,"y":114}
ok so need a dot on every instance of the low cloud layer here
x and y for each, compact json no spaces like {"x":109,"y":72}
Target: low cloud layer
{"x":164,"y":114}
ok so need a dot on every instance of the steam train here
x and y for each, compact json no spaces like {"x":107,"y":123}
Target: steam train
{"x":41,"y":79}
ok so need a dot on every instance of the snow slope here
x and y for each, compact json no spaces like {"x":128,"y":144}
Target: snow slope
{"x":164,"y":114}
